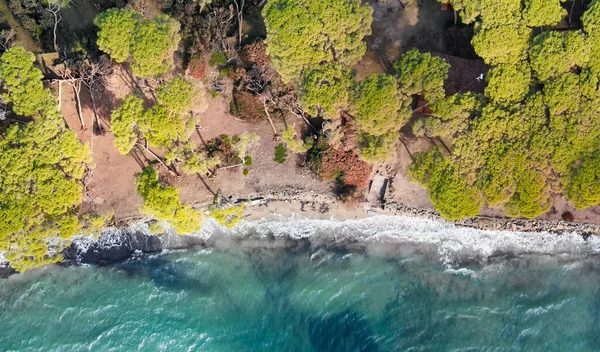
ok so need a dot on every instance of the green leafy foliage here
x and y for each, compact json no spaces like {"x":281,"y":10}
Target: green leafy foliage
{"x":154,"y":42}
{"x":176,"y":95}
{"x":290,"y":139}
{"x":539,"y":13}
{"x":22,"y":82}
{"x":554,"y":53}
{"x":217,"y":58}
{"x":42,"y":165}
{"x":377,"y":149}
{"x":421,"y":73}
{"x":379,"y":106}
{"x":280,"y":153}
{"x":162,"y":202}
{"x":116,"y":34}
{"x":591,"y":19}
{"x":228,"y":217}
{"x":302,"y":34}
{"x":149,"y":43}
{"x":324,"y":90}
{"x":502,"y":44}
{"x":584,"y":186}
{"x":450,"y":115}
{"x":449,"y":192}
{"x":508,"y":83}
{"x":124,"y":121}
{"x":563,"y":94}
{"x":161,"y":128}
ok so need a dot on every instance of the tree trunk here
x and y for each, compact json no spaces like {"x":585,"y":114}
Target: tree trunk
{"x":59,"y":94}
{"x":264,"y":101}
{"x":77,"y":89}
{"x":158,"y":159}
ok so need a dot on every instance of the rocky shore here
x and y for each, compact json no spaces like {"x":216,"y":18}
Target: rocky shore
{"x":131,"y":238}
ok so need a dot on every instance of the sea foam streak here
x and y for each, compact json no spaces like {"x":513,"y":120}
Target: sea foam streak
{"x":451,"y":244}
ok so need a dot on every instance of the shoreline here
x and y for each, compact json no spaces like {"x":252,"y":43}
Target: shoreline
{"x":313,"y":205}
{"x":129,"y":237}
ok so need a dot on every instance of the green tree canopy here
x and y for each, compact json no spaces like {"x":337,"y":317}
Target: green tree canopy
{"x":539,"y":13}
{"x":149,"y":43}
{"x":583,"y":189}
{"x":502,"y":44}
{"x":554,"y":53}
{"x":162,"y":128}
{"x":124,"y":121}
{"x":449,"y":192}
{"x":563,"y":94}
{"x":494,"y":13}
{"x":22,"y":82}
{"x":422,"y":73}
{"x":508,"y":83}
{"x":117,"y":27}
{"x":325,"y":90}
{"x":591,"y":19}
{"x":162,"y":202}
{"x":302,"y":34}
{"x":154,"y":42}
{"x":41,"y":169}
{"x":176,"y":95}
{"x":450,"y":115}
{"x":379,"y":106}
{"x":377,"y":149}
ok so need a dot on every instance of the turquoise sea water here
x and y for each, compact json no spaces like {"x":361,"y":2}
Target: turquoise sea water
{"x":249,"y":299}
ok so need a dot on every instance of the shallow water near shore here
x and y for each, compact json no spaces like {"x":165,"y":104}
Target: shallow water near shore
{"x":412,"y":285}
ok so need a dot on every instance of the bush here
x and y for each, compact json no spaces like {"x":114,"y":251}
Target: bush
{"x":197,"y":67}
{"x":217,"y":59}
{"x":344,"y":166}
{"x":246,"y":106}
{"x":280,"y":153}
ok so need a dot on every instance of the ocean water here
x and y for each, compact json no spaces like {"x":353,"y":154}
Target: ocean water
{"x":384,"y":284}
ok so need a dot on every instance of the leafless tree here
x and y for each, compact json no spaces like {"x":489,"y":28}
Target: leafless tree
{"x":257,"y":81}
{"x":71,"y":75}
{"x":220,"y":20}
{"x":239,"y":8}
{"x":54,"y":7}
{"x":93,"y":75}
{"x":6,"y":39}
{"x":290,"y":102}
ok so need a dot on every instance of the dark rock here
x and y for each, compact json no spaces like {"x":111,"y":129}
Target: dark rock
{"x":568,"y":216}
{"x":6,"y":271}
{"x":117,"y":248}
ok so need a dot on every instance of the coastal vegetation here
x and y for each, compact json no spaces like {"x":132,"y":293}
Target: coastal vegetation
{"x":165,"y":82}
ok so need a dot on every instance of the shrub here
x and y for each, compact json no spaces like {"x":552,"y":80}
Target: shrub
{"x":246,"y":106}
{"x":218,"y":58}
{"x":280,"y":153}
{"x":197,"y":67}
{"x":333,"y":163}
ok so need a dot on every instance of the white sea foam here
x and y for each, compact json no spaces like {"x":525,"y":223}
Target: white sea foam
{"x":450,"y":243}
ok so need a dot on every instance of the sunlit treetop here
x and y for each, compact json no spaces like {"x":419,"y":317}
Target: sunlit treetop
{"x":124,"y":121}
{"x":554,"y":53}
{"x":508,"y":83}
{"x":115,"y":36}
{"x":176,"y":95}
{"x":162,"y":202}
{"x":23,"y":83}
{"x":422,"y":73}
{"x":539,"y":13}
{"x":379,"y":107}
{"x":306,"y":33}
{"x":502,"y":44}
{"x":324,"y":90}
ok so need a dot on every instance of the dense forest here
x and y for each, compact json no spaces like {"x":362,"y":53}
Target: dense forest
{"x":533,"y":134}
